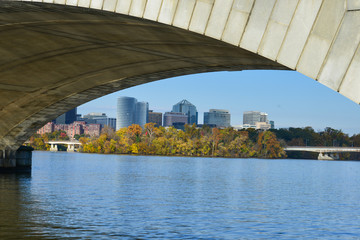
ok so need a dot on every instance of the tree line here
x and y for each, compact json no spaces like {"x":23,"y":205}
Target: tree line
{"x":206,"y":141}
{"x":192,"y":141}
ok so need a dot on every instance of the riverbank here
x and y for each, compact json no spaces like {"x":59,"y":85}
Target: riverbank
{"x":192,"y":142}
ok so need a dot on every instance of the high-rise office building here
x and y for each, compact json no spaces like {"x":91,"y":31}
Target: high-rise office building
{"x":130,"y":111}
{"x":175,"y":118}
{"x":264,"y":117}
{"x":272,"y":124}
{"x":252,"y":117}
{"x":187,"y":108}
{"x":141,"y":113}
{"x":217,"y":117}
{"x":110,"y":122}
{"x":67,"y":118}
{"x":257,"y":120}
{"x":155,"y":117}
{"x":100,"y":118}
{"x":125,"y":112}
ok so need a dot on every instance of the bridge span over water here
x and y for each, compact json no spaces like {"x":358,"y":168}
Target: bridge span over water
{"x":58,"y":54}
{"x":70,"y":145}
{"x":325,"y":153}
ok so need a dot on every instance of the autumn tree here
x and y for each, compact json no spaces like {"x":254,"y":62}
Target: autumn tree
{"x":268,"y":146}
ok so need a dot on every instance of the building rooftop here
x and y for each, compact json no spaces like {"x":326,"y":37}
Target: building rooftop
{"x":185,"y":102}
{"x":219,"y":110}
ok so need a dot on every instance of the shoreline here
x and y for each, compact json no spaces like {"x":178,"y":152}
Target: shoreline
{"x":183,"y":156}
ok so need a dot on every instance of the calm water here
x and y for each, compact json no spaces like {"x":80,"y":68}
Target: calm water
{"x":83,"y":196}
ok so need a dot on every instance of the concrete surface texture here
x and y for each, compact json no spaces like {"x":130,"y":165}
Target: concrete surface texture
{"x":58,"y":54}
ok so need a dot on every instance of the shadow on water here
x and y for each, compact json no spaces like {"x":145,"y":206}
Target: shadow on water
{"x":15,"y":216}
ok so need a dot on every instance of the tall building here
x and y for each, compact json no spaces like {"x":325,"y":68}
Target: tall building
{"x":155,"y":117}
{"x":130,"y":111}
{"x":264,"y":117}
{"x":110,"y":122}
{"x":125,"y":112}
{"x":251,"y":117}
{"x":272,"y":124}
{"x":94,"y":116}
{"x":257,"y":120}
{"x":99,"y":118}
{"x":187,"y":108}
{"x":175,"y":118}
{"x":141,"y":113}
{"x":217,"y":117}
{"x":67,"y":118}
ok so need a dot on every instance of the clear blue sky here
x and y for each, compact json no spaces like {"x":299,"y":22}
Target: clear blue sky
{"x":290,"y":98}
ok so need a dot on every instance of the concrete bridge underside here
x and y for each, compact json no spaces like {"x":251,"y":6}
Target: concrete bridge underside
{"x":58,"y":54}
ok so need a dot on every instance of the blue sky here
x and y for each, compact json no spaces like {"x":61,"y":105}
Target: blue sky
{"x":290,"y":98}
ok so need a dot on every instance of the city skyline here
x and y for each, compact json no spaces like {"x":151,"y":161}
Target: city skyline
{"x":290,"y":98}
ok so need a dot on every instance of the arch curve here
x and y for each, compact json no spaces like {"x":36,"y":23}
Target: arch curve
{"x":58,"y":54}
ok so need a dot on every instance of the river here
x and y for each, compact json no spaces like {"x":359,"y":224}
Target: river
{"x":91,"y":196}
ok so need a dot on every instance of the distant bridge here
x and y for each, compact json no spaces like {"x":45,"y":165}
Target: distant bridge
{"x":70,"y":145}
{"x":325,"y":153}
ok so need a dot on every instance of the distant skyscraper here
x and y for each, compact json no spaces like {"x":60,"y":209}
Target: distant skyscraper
{"x":141,"y":113}
{"x":130,"y":111}
{"x":187,"y":108}
{"x":264,"y":117}
{"x":272,"y":124}
{"x":92,"y":117}
{"x":218,"y":117}
{"x":100,"y":118}
{"x":110,"y":122}
{"x":67,"y":118}
{"x":251,"y":117}
{"x":125,"y":112}
{"x":257,"y":120}
{"x":155,"y":117}
{"x":171,"y":118}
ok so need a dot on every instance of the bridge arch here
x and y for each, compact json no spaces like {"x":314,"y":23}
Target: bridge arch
{"x":58,"y":54}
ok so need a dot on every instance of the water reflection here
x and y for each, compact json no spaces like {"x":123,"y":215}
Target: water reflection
{"x":15,"y":216}
{"x":94,"y":196}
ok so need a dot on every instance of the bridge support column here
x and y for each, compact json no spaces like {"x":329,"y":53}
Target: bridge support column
{"x":71,"y":148}
{"x":16,"y":161}
{"x":335,"y":156}
{"x":328,"y":156}
{"x":53,"y":148}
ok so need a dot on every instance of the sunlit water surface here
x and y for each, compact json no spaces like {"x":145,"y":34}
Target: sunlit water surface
{"x":90,"y":196}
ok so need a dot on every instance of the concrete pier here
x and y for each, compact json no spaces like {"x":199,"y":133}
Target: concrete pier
{"x":328,"y":156}
{"x":53,"y":148}
{"x":16,"y":161}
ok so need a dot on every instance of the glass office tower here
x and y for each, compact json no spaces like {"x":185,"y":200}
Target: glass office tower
{"x":67,"y":118}
{"x":217,"y":117}
{"x":126,"y":107}
{"x":187,"y":108}
{"x":141,"y":113}
{"x":130,"y":111}
{"x":252,"y":117}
